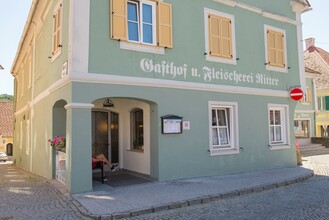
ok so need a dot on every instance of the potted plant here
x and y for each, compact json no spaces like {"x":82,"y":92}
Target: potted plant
{"x":58,"y":143}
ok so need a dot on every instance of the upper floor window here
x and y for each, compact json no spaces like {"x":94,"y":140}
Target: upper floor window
{"x":30,"y":73}
{"x":137,"y":129}
{"x":323,"y":103}
{"x":220,"y":37}
{"x":275,"y":46}
{"x":143,"y":22}
{"x":307,"y":97}
{"x":57,"y":31}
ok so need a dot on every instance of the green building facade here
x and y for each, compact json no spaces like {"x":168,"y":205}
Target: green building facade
{"x":169,"y":89}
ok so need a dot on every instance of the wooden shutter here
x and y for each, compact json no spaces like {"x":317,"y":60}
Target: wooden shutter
{"x":226,"y":38}
{"x":279,"y":42}
{"x":326,"y":103}
{"x":165,"y":25}
{"x":220,"y":36}
{"x":57,"y":29}
{"x":271,"y":47}
{"x":214,"y":35}
{"x":275,"y":49}
{"x":118,"y":10}
{"x":309,"y":95}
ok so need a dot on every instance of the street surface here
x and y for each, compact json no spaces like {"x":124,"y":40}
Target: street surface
{"x":307,"y":200}
{"x":26,"y":196}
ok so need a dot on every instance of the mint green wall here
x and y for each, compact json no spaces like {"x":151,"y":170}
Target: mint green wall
{"x":46,"y":71}
{"x":186,"y":154}
{"x":279,"y":7}
{"x":45,"y":74}
{"x":42,"y":131}
{"x":189,"y":44}
{"x":307,"y":106}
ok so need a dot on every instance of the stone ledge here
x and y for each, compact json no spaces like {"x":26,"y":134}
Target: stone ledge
{"x":199,"y":200}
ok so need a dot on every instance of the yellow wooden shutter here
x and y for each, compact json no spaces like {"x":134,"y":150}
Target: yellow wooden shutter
{"x":275,"y":48}
{"x":279,"y":42}
{"x":165,"y":25}
{"x":271,"y":47}
{"x":309,"y":95}
{"x":118,"y":19}
{"x":220,"y":36}
{"x":226,"y":38}
{"x":214,"y":35}
{"x":57,"y":29}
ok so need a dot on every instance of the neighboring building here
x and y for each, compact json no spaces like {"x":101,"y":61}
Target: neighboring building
{"x":304,"y":122}
{"x":6,"y":126}
{"x":163,"y":93}
{"x":317,"y":60}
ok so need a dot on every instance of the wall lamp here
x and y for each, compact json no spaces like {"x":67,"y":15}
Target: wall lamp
{"x":108,"y":103}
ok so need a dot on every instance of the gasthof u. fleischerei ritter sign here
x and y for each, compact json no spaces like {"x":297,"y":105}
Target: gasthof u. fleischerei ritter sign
{"x":207,"y":74}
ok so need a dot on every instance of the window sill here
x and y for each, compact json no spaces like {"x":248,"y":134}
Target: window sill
{"x":141,"y":48}
{"x":279,"y":146}
{"x":57,"y":54}
{"x":136,"y":150}
{"x":219,"y":152}
{"x":276,"y":69}
{"x":220,"y":60}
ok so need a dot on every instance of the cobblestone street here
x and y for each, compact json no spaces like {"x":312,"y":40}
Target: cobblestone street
{"x":26,"y":196}
{"x":306,"y":200}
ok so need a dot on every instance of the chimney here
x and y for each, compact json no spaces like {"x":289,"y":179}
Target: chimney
{"x":310,"y":42}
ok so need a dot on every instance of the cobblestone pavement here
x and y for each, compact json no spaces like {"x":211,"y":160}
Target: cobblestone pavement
{"x":26,"y":196}
{"x":307,"y":200}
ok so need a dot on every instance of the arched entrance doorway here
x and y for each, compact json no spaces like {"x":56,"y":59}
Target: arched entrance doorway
{"x":9,"y":149}
{"x":59,"y":129}
{"x":122,"y":131}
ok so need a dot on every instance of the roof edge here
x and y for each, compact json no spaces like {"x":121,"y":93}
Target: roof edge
{"x":24,"y":34}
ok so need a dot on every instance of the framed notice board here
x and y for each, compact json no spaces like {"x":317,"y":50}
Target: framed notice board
{"x":171,"y":124}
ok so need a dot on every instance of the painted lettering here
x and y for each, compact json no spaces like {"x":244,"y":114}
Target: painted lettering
{"x":172,"y":70}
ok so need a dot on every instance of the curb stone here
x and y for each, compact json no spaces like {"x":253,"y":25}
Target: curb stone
{"x":179,"y":204}
{"x":216,"y":197}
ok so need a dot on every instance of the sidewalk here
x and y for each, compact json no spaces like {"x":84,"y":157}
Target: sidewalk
{"x":121,"y":202}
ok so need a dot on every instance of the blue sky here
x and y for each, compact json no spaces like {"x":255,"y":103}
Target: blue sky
{"x":13,"y":15}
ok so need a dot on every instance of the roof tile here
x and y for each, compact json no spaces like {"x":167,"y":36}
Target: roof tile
{"x":6,"y":118}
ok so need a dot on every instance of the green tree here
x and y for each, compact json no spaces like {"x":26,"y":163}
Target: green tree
{"x":6,"y":97}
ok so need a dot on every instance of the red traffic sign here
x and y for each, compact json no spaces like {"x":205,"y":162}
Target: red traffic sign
{"x":296,"y":94}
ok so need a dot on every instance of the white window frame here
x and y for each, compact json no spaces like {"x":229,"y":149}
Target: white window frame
{"x":30,"y":72}
{"x":23,"y":82}
{"x":285,"y":134}
{"x":59,"y":6}
{"x":306,"y":98}
{"x":232,"y":61}
{"x":233,"y":147}
{"x":139,"y":5}
{"x":133,"y":127}
{"x":321,"y":106}
{"x":269,"y":67}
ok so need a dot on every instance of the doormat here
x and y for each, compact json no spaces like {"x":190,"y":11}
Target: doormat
{"x":125,"y":179}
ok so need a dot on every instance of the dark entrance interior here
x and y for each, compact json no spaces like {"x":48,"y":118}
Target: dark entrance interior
{"x":105,"y":134}
{"x":9,"y":149}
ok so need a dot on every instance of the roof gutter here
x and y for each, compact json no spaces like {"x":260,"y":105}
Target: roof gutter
{"x":25,"y":31}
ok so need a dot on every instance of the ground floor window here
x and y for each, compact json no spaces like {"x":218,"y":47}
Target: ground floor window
{"x":223,"y":128}
{"x":137,"y":129}
{"x":302,"y":128}
{"x":324,"y":130}
{"x":278,"y":125}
